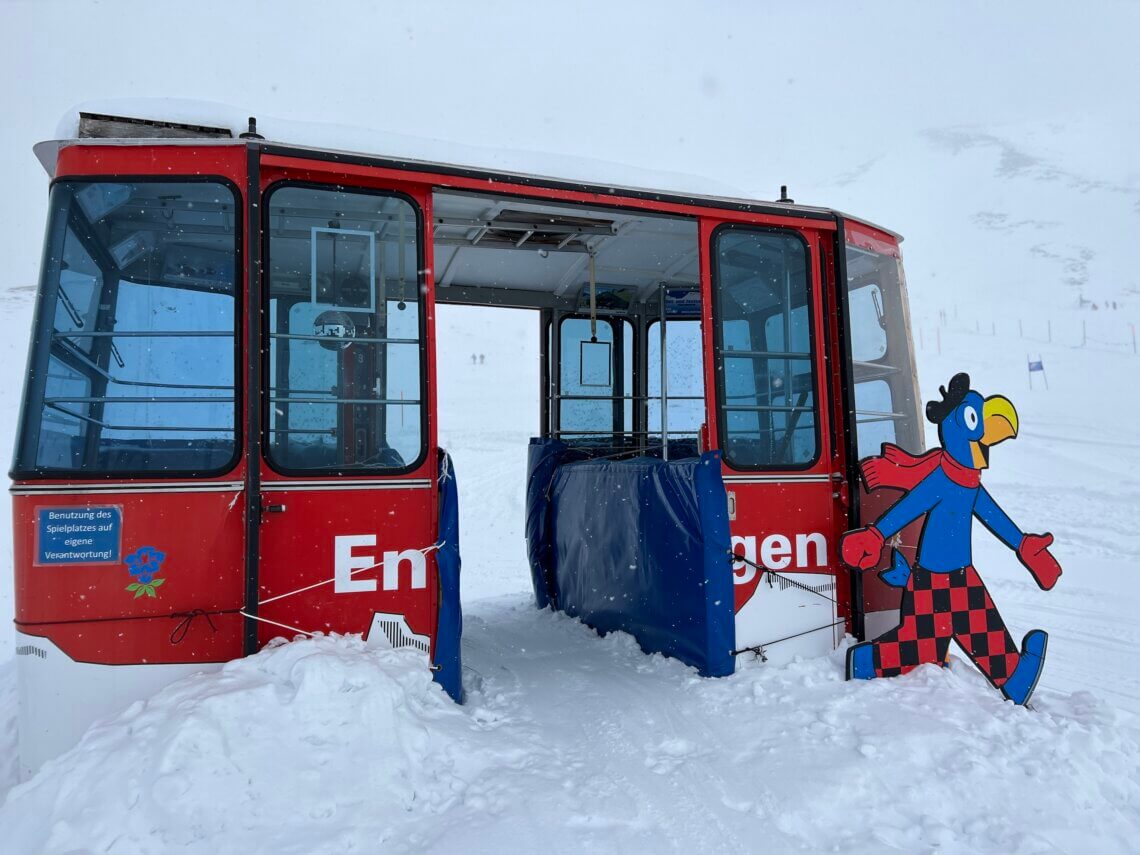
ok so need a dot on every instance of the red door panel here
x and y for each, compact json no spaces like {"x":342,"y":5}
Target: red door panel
{"x":348,"y":472}
{"x":768,"y":392}
{"x":361,"y":547}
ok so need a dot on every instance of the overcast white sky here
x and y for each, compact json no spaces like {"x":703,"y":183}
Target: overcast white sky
{"x":836,"y":99}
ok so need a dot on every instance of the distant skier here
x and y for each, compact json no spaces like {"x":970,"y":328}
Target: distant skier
{"x":944,"y":598}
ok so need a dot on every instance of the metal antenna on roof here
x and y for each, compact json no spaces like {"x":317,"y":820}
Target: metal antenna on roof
{"x":251,"y":133}
{"x":784,"y":195}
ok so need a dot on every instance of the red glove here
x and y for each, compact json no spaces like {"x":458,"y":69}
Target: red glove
{"x":861,"y":548}
{"x":1035,"y":555}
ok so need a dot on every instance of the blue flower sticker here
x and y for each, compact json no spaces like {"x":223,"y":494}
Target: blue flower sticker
{"x":144,"y":565}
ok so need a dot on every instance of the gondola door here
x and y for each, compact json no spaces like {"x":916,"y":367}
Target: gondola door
{"x":348,"y":502}
{"x":769,"y":402}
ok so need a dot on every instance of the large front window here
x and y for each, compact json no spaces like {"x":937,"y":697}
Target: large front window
{"x":133,"y":358}
{"x":345,"y":317}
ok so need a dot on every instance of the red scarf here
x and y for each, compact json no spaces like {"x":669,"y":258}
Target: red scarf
{"x":902,"y":470}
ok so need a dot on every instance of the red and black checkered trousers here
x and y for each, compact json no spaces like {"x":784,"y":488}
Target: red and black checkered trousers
{"x":937,"y":607}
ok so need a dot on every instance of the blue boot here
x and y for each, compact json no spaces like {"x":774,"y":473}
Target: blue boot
{"x":861,"y":662}
{"x":1021,"y":683}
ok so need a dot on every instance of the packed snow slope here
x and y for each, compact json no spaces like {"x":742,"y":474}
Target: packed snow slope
{"x":571,"y":743}
{"x":998,"y":139}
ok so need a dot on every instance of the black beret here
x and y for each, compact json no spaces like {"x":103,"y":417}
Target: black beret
{"x":936,"y":411}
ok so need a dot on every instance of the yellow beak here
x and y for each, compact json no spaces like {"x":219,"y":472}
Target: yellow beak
{"x":999,"y":423}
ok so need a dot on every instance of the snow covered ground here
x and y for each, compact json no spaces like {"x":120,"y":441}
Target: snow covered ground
{"x":571,"y":742}
{"x":1011,"y":168}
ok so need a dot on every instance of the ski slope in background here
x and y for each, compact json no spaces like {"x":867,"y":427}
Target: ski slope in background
{"x":999,"y":140}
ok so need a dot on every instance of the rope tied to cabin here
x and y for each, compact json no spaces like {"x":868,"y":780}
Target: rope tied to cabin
{"x":183,"y":627}
{"x":423,"y":551}
{"x":759,"y":649}
{"x":786,"y":579}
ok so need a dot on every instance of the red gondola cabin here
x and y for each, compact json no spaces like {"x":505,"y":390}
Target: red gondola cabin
{"x":229,"y":427}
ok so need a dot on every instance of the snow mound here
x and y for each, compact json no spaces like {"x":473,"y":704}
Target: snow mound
{"x":571,"y":743}
{"x":296,"y":745}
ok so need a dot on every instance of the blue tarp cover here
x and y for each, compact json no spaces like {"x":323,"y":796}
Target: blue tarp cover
{"x":635,"y":545}
{"x":448,"y":668}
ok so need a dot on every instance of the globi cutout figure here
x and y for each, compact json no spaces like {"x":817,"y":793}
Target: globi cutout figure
{"x":943,"y":597}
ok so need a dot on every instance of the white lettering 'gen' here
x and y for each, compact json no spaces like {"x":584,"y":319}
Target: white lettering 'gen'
{"x":776,"y":553}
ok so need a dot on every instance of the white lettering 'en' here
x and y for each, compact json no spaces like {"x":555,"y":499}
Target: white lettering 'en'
{"x":345,"y":564}
{"x":776,"y":553}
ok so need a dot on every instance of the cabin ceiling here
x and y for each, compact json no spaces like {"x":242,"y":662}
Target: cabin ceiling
{"x":506,"y":251}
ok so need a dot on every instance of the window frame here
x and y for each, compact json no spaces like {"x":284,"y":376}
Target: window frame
{"x":912,"y":433}
{"x":654,"y":369}
{"x":628,"y":330}
{"x":718,"y":345}
{"x":17,"y":473}
{"x":421,"y":301}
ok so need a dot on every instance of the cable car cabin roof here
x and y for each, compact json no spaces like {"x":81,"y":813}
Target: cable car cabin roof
{"x":48,"y":152}
{"x":490,"y":248}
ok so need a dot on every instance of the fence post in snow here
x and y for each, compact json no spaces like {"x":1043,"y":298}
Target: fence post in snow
{"x":1050,"y":325}
{"x":1133,"y":326}
{"x":1020,"y":331}
{"x":1084,"y":333}
{"x":993,"y":327}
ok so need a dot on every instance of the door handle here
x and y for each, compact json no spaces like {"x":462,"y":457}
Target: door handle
{"x":274,"y":509}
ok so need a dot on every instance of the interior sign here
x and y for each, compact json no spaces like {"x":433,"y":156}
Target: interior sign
{"x":91,"y":535}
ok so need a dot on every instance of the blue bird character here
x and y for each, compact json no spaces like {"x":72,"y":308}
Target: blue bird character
{"x":943,"y":597}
